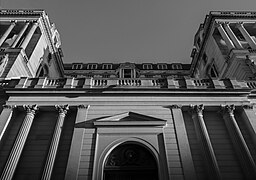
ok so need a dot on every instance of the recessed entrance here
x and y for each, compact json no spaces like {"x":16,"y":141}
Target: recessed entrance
{"x":130,"y":162}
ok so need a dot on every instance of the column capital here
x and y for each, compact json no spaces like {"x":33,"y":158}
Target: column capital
{"x":228,"y":109}
{"x":175,"y":106}
{"x":82,"y":106}
{"x":62,"y":109}
{"x":248,"y":106}
{"x":31,"y":109}
{"x":6,"y":106}
{"x":14,"y":22}
{"x":218,"y":23}
{"x":198,"y":109}
{"x":239,"y":24}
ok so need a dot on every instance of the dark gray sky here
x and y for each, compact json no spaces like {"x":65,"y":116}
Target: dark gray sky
{"x":128,"y":30}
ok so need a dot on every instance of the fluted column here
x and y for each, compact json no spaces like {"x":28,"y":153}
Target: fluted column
{"x":5,"y":118}
{"x":232,"y":36}
{"x":238,"y":141}
{"x":20,"y":34}
{"x":7,"y":32}
{"x":55,"y":142}
{"x":19,"y":143}
{"x":29,"y":35}
{"x":204,"y":139}
{"x":225,"y":36}
{"x":246,"y":35}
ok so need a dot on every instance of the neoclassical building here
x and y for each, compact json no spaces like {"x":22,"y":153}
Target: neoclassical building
{"x":128,"y":121}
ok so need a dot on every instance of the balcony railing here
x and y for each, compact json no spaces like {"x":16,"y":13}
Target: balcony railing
{"x":163,"y":83}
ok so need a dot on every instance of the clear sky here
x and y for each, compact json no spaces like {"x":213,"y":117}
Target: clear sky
{"x":128,"y":30}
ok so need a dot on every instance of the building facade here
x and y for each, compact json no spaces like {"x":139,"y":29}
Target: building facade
{"x":126,"y":121}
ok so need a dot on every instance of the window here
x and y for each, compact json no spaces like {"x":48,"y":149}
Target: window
{"x":77,"y":66}
{"x":214,"y":72}
{"x":147,"y":66}
{"x":148,"y":76}
{"x":107,"y":66}
{"x":105,"y":75}
{"x":176,"y":66}
{"x":92,"y":66}
{"x":205,"y":58}
{"x":162,"y":66}
{"x":127,"y":73}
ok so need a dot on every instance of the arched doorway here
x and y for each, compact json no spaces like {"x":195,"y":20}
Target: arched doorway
{"x":130,"y":162}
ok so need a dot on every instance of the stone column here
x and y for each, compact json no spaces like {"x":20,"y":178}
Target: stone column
{"x":238,"y":141}
{"x":20,"y":34}
{"x":48,"y":167}
{"x":232,"y":36}
{"x":204,"y":139}
{"x":7,"y":32}
{"x":225,"y":36}
{"x":5,"y":117}
{"x":19,"y":143}
{"x":29,"y":35}
{"x":246,"y":35}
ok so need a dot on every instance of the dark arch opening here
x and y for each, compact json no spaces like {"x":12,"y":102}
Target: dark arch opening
{"x":43,"y":71}
{"x":130,"y":161}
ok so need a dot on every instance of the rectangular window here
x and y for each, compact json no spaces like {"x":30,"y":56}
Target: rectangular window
{"x":162,"y":66}
{"x":92,"y":66}
{"x":147,"y":66}
{"x":127,"y":73}
{"x":107,"y":66}
{"x":77,"y":66}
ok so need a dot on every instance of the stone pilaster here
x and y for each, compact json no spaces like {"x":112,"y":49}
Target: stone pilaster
{"x":19,"y":143}
{"x":238,"y":141}
{"x":29,"y":35}
{"x":225,"y":36}
{"x":205,"y":143}
{"x":183,"y":144}
{"x":62,"y":109}
{"x":76,"y":144}
{"x":246,"y":35}
{"x":232,"y":36}
{"x":20,"y":34}
{"x":7,"y":32}
{"x":5,"y":117}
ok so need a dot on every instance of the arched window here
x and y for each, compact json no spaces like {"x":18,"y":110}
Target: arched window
{"x":130,"y":161}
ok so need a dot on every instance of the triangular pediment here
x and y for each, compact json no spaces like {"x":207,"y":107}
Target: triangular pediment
{"x":129,"y":118}
{"x":123,"y":119}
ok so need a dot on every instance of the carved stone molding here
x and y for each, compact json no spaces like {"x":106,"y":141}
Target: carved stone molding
{"x":31,"y":109}
{"x":62,"y":109}
{"x":175,"y":106}
{"x":82,"y":106}
{"x":5,"y":106}
{"x":228,"y":109}
{"x":198,"y":109}
{"x":248,"y":106}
